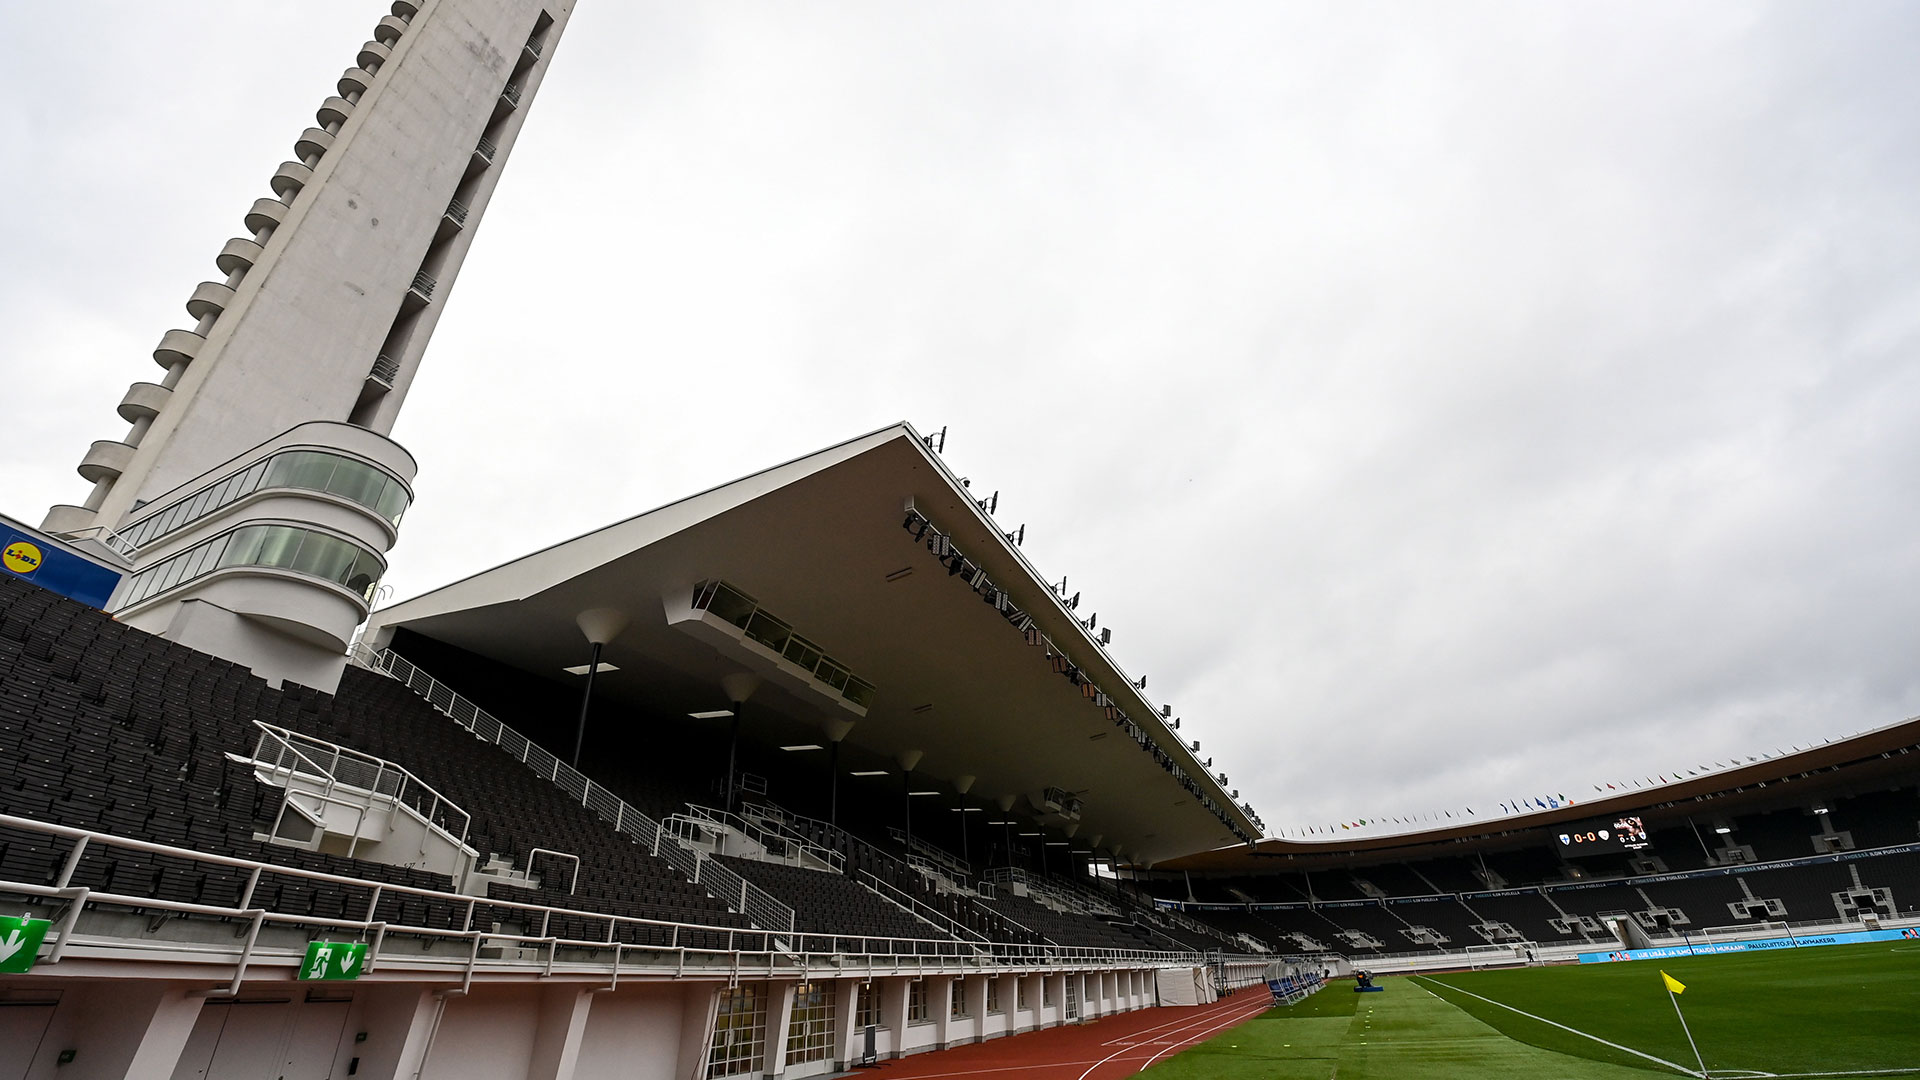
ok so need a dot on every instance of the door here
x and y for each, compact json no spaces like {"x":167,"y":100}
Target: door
{"x":21,"y":1029}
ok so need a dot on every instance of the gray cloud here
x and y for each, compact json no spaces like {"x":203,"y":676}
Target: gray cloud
{"x":1442,"y":403}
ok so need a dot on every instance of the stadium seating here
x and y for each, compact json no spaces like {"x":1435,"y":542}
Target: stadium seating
{"x":825,"y":902}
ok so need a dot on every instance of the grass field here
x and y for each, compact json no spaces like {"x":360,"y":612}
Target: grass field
{"x":1848,"y":1010}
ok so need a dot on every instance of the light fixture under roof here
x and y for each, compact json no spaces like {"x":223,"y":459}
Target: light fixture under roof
{"x":804,"y":746}
{"x":868,"y":772}
{"x":969,"y":810}
{"x":711,"y":714}
{"x":1056,"y":843}
{"x":923,"y":793}
{"x":1029,"y":834}
{"x":1722,"y":830}
{"x":581,"y":669}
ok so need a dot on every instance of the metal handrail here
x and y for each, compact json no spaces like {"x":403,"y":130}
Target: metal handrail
{"x":767,"y":838}
{"x":725,"y":885}
{"x":573,"y":885}
{"x":739,"y":942}
{"x":405,"y":780}
{"x":916,"y":908}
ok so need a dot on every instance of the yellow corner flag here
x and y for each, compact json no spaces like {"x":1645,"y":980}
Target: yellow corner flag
{"x":1674,"y":984}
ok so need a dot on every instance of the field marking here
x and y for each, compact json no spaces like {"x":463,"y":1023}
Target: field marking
{"x":1684,"y":1071}
{"x":1222,"y":1027}
{"x":1234,"y":1016}
{"x":1177,"y":1022}
{"x":1903,"y":1071}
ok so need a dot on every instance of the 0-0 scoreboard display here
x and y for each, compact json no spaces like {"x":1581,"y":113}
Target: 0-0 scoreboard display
{"x":1624,"y":833}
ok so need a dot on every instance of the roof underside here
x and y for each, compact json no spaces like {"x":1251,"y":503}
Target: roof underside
{"x":819,"y":542}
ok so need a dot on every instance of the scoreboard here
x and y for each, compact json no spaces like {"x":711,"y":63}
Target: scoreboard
{"x":1624,"y":833}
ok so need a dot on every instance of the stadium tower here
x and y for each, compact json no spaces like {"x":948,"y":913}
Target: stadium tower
{"x":255,"y":495}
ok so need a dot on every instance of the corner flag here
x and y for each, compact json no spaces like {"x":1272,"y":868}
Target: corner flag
{"x":1674,"y":989}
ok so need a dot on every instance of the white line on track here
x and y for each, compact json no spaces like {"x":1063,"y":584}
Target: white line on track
{"x":1209,"y":1024}
{"x":1683,"y":1070}
{"x":1176,"y":1022}
{"x":1217,"y":1028}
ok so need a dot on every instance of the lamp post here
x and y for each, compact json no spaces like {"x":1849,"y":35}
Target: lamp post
{"x":837,"y":730}
{"x":908,"y":759}
{"x":739,"y":686}
{"x":600,"y":625}
{"x":964,"y":784}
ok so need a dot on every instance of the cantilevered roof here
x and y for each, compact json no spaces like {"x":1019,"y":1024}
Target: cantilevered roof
{"x":820,"y":542}
{"x":1889,"y":754}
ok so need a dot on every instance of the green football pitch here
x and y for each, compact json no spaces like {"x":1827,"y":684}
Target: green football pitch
{"x":1834,"y":1011}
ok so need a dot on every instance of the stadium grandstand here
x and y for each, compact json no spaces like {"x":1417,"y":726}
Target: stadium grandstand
{"x":806,"y":771}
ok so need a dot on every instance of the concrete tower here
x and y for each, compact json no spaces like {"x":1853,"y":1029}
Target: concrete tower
{"x":256,"y":493}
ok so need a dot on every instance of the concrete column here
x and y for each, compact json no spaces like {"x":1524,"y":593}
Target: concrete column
{"x":976,"y":1027}
{"x":135,"y":1031}
{"x":940,"y":1001}
{"x":893,"y":1010}
{"x":557,"y":1033}
{"x":779,"y":1018}
{"x":397,"y":1021}
{"x":698,"y":1007}
{"x":1028,"y":1018}
{"x":848,"y":1039}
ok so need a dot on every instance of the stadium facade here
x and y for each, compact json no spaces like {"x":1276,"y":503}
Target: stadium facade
{"x":804,"y":769}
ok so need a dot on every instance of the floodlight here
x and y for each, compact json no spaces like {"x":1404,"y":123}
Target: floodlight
{"x":711,"y":714}
{"x":804,"y":746}
{"x":581,"y":669}
{"x":868,"y":772}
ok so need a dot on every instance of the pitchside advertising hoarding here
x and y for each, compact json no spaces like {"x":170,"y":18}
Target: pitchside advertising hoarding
{"x":1708,"y":948}
{"x":1622,"y":833}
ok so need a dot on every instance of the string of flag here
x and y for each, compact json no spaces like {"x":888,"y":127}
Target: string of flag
{"x":1533,"y":804}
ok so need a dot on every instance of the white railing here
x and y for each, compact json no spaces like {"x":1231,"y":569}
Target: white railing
{"x":932,"y":916}
{"x":370,"y":779}
{"x":723,"y":884}
{"x":677,"y":950}
{"x":944,"y":862}
{"x":784,"y":847}
{"x":905,"y":871}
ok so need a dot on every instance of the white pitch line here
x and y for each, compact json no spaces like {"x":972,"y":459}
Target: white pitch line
{"x":1857,"y":1073}
{"x":1132,"y":1037}
{"x":1234,"y":1016}
{"x":1221,"y":1027}
{"x":1684,"y":1071}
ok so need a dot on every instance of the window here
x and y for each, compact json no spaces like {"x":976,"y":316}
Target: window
{"x":993,"y":996}
{"x":289,"y":547}
{"x":1020,"y":993}
{"x":957,"y":1005}
{"x":1046,"y":992}
{"x":764,"y":627}
{"x":310,"y":470}
{"x":867,"y":1013}
{"x":917,"y":1010}
{"x":739,"y":1033}
{"x":811,"y":1029}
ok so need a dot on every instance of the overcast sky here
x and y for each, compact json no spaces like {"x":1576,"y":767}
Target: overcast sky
{"x":1442,"y":403}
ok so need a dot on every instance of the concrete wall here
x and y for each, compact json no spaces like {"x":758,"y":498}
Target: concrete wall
{"x":519,"y":1030}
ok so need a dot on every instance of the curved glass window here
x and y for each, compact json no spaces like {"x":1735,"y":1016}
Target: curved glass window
{"x":289,"y":547}
{"x":309,"y":470}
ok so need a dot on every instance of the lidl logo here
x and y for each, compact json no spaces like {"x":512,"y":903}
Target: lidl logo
{"x":21,"y":557}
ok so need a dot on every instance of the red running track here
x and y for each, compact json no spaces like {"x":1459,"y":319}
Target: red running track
{"x":1106,"y":1049}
